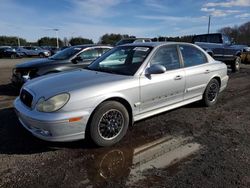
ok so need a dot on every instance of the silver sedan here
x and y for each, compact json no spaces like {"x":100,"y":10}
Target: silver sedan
{"x":127,"y":84}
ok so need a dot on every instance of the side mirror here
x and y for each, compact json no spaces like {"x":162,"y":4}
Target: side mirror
{"x":76,"y":60}
{"x":155,"y":69}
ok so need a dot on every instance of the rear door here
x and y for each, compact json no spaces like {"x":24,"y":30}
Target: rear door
{"x":197,"y":70}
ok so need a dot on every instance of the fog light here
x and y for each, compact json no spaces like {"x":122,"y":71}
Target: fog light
{"x":43,"y":132}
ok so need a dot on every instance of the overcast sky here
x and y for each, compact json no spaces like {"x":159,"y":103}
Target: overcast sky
{"x":33,"y":19}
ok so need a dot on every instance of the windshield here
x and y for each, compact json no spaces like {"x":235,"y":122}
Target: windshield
{"x":123,"y":60}
{"x":66,"y":53}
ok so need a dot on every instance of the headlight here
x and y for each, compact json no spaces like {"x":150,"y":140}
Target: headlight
{"x":52,"y":104}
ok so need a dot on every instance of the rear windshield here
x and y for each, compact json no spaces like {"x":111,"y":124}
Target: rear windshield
{"x":213,"y":38}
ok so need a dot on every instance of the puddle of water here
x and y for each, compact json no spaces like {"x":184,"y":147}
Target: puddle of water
{"x":130,"y":163}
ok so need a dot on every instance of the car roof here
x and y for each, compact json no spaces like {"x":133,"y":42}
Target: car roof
{"x":152,"y":44}
{"x":89,"y":45}
{"x":206,"y":34}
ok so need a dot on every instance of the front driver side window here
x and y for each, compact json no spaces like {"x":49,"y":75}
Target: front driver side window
{"x":89,"y":54}
{"x":167,"y":56}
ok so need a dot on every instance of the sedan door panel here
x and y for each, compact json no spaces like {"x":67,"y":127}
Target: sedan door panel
{"x":197,"y":78}
{"x":161,"y":90}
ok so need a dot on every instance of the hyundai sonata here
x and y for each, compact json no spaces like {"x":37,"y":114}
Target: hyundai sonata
{"x":126,"y":84}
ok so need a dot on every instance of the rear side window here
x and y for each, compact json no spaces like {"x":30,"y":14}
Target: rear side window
{"x":214,"y":38}
{"x":192,"y":56}
{"x":104,"y":50}
{"x":200,"y":38}
{"x":167,"y":56}
{"x":89,"y":54}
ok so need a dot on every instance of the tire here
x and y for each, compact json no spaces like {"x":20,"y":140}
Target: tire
{"x":115,"y":128}
{"x":235,"y":66}
{"x":13,"y":56}
{"x":211,"y":93}
{"x":41,"y":55}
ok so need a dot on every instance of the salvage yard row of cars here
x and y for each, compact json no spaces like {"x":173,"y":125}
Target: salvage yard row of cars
{"x":27,"y":51}
{"x":124,"y":84}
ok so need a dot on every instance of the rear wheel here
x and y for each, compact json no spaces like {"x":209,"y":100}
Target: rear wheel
{"x":109,"y":123}
{"x":236,"y":64}
{"x":211,"y":93}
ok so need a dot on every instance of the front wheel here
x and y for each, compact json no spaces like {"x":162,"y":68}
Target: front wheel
{"x":109,"y":123}
{"x":211,"y":93}
{"x":236,"y":64}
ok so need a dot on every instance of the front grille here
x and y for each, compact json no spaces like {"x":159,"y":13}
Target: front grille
{"x":26,"y":98}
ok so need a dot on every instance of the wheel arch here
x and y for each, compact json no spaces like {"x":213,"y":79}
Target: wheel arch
{"x":238,"y":54}
{"x":121,"y":100}
{"x":217,"y":78}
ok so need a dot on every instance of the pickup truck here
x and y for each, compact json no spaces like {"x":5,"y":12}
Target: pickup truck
{"x":221,"y":48}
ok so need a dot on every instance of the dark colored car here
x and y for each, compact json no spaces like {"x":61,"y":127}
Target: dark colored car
{"x":33,"y":51}
{"x":53,"y":50}
{"x":132,"y":40}
{"x":221,"y":48}
{"x":7,"y":51}
{"x":68,"y":59}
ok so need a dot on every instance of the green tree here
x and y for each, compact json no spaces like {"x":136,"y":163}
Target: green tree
{"x":80,"y":40}
{"x":113,"y":38}
{"x":240,"y":34}
{"x":11,"y":41}
{"x":47,"y":41}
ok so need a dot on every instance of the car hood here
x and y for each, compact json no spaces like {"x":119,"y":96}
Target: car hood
{"x":74,"y":81}
{"x":37,"y":63}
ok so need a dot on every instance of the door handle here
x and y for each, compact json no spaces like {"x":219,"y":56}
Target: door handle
{"x":179,"y":77}
{"x":207,"y":71}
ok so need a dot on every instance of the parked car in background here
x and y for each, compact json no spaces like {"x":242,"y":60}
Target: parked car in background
{"x":7,"y":51}
{"x":67,"y":59}
{"x":62,"y":48}
{"x":33,"y":51}
{"x":53,"y":50}
{"x":128,"y":83}
{"x":132,"y":40}
{"x":221,"y":48}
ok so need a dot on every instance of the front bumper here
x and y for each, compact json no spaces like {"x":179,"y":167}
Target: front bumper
{"x":53,"y":127}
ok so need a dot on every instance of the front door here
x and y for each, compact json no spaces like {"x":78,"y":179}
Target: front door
{"x":159,"y":90}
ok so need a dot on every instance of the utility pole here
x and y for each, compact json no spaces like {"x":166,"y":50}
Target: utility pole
{"x":18,"y":41}
{"x":209,"y":20}
{"x":57,"y":42}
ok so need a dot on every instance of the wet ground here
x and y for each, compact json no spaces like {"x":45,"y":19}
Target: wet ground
{"x":192,"y":146}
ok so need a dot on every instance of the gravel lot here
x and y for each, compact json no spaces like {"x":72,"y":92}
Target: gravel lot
{"x":192,"y":146}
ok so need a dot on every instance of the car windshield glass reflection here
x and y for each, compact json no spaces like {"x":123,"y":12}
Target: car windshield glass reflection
{"x":123,"y":60}
{"x":65,"y":54}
